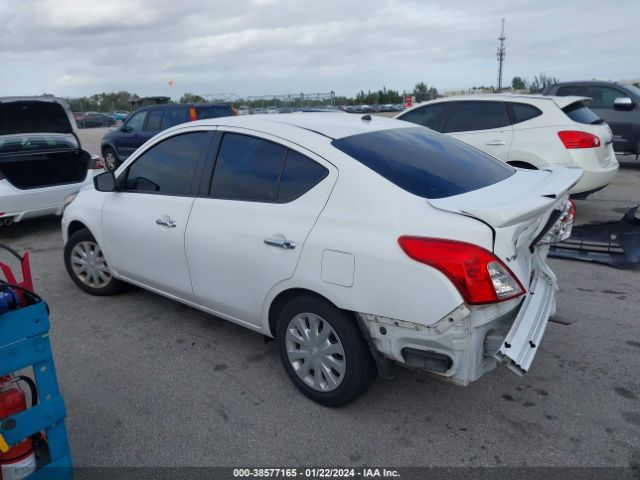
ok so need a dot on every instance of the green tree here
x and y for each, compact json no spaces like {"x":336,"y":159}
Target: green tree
{"x":539,"y":83}
{"x":518,"y":83}
{"x":191,"y":98}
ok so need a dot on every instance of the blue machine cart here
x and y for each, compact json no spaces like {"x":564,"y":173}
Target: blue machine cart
{"x":24,"y":342}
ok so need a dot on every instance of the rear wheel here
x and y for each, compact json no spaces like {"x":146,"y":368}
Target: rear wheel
{"x":87,"y":267}
{"x":323,"y":351}
{"x":111,"y":161}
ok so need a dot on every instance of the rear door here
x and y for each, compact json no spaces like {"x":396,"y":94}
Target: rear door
{"x":247,"y":234}
{"x":144,"y":224}
{"x":483,"y":124}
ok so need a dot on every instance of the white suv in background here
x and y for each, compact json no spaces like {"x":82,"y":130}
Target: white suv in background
{"x":528,"y":131}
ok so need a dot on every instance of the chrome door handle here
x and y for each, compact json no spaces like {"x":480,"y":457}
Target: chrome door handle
{"x":280,"y":242}
{"x":166,"y":222}
{"x":496,"y":142}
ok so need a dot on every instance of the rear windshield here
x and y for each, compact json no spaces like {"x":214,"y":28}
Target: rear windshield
{"x":36,"y":142}
{"x":423,"y":162}
{"x":579,"y":112}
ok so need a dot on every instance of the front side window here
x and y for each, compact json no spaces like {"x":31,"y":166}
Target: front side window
{"x":136,"y":122}
{"x":168,"y":167}
{"x":603,"y":97}
{"x":430,"y":116}
{"x":466,"y":116}
{"x":424,"y":163}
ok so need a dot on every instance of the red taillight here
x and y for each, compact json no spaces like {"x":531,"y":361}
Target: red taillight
{"x":577,"y":139}
{"x":192,"y":114}
{"x":478,"y":274}
{"x":97,"y":162}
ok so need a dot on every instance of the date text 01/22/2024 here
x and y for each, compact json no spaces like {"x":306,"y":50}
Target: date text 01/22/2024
{"x":315,"y":473}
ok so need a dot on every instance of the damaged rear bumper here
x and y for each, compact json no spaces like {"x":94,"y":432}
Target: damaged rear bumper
{"x":471,"y":340}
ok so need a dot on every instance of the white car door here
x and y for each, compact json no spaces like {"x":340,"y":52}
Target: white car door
{"x":482,"y":124}
{"x":144,"y":223}
{"x":246,"y":237}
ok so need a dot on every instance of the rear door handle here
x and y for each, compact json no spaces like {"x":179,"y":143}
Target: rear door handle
{"x":280,"y":242}
{"x":166,"y":222}
{"x":496,"y":142}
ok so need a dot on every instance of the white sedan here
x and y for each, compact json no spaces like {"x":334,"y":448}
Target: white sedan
{"x":354,"y":241}
{"x":528,"y":131}
{"x":41,"y":159}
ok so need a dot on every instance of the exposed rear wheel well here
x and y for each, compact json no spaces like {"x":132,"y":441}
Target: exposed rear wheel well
{"x":282,"y":299}
{"x":525,"y":165}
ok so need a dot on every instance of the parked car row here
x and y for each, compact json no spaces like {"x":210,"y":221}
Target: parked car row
{"x":397,"y":107}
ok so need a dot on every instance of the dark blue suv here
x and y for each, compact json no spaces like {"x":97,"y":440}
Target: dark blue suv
{"x":146,"y":122}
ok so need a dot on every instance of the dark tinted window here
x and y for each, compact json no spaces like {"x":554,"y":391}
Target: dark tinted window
{"x":579,"y":112}
{"x":299,"y":175}
{"x":175,"y":116}
{"x":430,"y":116}
{"x":469,"y":116}
{"x":167,"y":167}
{"x":154,"y":120}
{"x":425,"y":163}
{"x":603,"y":97}
{"x":522,"y":112}
{"x":569,"y":90}
{"x":213,"y":111}
{"x":136,"y":122}
{"x":247,"y":168}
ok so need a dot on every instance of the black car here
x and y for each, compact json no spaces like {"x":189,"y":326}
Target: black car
{"x":617,"y":104}
{"x":147,"y":121}
{"x":91,"y":120}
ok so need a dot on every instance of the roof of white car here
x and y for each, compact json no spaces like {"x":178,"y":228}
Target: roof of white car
{"x":332,"y":125}
{"x":514,"y":97}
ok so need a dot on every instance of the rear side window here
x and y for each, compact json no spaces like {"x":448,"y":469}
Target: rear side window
{"x":174,"y":116}
{"x":569,"y":90}
{"x":213,"y":111}
{"x":424,"y":163}
{"x":299,"y":175}
{"x":579,"y":112}
{"x":154,"y":121}
{"x":469,"y":116}
{"x":247,"y":168}
{"x":257,"y":170}
{"x":168,"y":167}
{"x":521,"y":112}
{"x":430,"y":116}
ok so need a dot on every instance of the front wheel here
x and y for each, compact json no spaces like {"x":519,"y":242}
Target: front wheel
{"x":111,"y":161}
{"x":323,"y":351}
{"x":87,"y":267}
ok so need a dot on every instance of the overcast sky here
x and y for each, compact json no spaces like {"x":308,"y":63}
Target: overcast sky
{"x":79,"y":47}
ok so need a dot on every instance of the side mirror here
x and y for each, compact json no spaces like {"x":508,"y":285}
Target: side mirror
{"x":105,"y":182}
{"x":126,"y":128}
{"x":623,"y":103}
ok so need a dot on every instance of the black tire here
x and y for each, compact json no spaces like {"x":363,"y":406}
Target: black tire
{"x":110,"y":287}
{"x":360,"y":370}
{"x":111,"y":160}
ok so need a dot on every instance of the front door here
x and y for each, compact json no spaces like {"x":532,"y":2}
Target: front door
{"x":144,"y":224}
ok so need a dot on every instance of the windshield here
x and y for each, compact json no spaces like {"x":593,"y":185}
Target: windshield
{"x":633,"y":89}
{"x":36,"y":142}
{"x":424,"y":162}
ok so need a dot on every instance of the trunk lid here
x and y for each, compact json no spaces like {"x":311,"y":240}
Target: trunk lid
{"x":518,"y":210}
{"x":34,"y":115}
